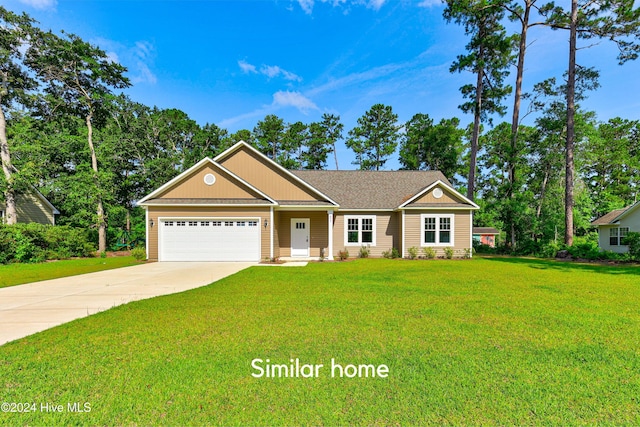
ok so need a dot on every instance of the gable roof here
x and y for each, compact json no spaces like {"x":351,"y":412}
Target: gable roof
{"x":149,"y":198}
{"x":287,"y":173}
{"x":40,"y":196}
{"x":372,"y":189}
{"x":615,"y":215}
{"x":485,"y":230}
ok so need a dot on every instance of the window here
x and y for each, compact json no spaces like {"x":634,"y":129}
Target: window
{"x":204,"y":223}
{"x":253,"y":223}
{"x":193,"y":223}
{"x":437,"y":230}
{"x":181,"y":223}
{"x":216,"y":223}
{"x":228,"y":223}
{"x":241,"y":223}
{"x":360,"y":230}
{"x":617,"y":235}
{"x":168,"y":223}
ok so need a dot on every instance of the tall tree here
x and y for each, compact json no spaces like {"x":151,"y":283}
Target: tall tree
{"x":614,"y":20}
{"x":375,"y":138}
{"x":314,"y":156}
{"x":269,"y":135}
{"x":295,"y":138}
{"x":332,"y":132}
{"x":15,"y":83}
{"x":489,"y":56}
{"x":79,"y":76}
{"x":429,"y":146}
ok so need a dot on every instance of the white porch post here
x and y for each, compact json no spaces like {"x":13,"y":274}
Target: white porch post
{"x":271,"y":233}
{"x":403,"y":233}
{"x":329,"y":256}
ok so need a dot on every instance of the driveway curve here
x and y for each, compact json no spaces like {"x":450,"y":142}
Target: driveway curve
{"x":34,"y":307}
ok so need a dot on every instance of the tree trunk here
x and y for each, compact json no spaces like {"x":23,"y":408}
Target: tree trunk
{"x":10,"y":215}
{"x":571,"y":131}
{"x":335,"y":155}
{"x":471,"y":181}
{"x":102,"y":225}
{"x":522,"y":49}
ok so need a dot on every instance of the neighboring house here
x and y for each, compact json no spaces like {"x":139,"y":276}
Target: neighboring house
{"x":485,"y":235}
{"x":614,"y":227}
{"x":32,"y":207}
{"x":242,"y":206}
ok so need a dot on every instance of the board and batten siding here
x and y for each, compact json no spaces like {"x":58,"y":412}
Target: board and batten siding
{"x":318,"y":231}
{"x":265,"y":176}
{"x":156,"y":212}
{"x":462,"y":231}
{"x":387,"y":235}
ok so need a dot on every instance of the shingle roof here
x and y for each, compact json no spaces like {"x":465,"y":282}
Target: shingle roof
{"x":606,"y":219}
{"x":370,"y":189}
{"x":485,"y":230}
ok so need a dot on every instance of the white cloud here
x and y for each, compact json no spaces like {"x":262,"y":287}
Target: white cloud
{"x":293,"y":99}
{"x":138,"y":58}
{"x":430,"y":3}
{"x":272,"y":71}
{"x":246,"y":67}
{"x":306,"y":5}
{"x":40,"y":4}
{"x":144,"y":51}
{"x":375,"y":4}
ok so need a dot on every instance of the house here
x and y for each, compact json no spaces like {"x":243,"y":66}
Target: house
{"x":485,"y":235}
{"x":242,"y":206}
{"x":32,"y":206}
{"x":614,"y":227}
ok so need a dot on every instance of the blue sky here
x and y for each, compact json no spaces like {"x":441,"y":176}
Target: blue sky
{"x":233,"y":62}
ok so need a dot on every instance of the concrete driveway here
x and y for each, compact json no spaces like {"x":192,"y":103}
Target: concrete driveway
{"x":34,"y":307}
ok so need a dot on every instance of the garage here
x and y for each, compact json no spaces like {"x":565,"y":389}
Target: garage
{"x":209,"y":239}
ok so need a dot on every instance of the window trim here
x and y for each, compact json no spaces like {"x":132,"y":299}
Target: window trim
{"x":618,"y":235}
{"x":359,"y":243}
{"x":437,"y":217}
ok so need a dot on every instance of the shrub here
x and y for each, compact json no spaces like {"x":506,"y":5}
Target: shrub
{"x":584,"y":249}
{"x":633,"y":241}
{"x":467,"y":253}
{"x":413,"y":252}
{"x":37,"y":242}
{"x":448,"y":252}
{"x":391,"y":253}
{"x":429,"y":253}
{"x":139,"y":253}
{"x":342,"y":255}
{"x":364,"y":252}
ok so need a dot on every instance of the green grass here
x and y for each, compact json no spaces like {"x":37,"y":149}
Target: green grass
{"x":18,"y":274}
{"x":487,"y":341}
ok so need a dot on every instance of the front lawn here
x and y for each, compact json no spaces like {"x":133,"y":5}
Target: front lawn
{"x":18,"y":274}
{"x":486,"y":341}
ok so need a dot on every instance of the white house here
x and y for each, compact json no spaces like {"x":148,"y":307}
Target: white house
{"x":614,"y":227}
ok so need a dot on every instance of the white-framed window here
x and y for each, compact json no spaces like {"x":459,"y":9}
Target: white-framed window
{"x":436,"y":229}
{"x":617,"y":235}
{"x":193,"y":223}
{"x":360,"y":230}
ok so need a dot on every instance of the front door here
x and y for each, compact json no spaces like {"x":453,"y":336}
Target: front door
{"x":300,"y":237}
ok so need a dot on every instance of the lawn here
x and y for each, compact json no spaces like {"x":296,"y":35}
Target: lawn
{"x":18,"y":274}
{"x":484,"y":341}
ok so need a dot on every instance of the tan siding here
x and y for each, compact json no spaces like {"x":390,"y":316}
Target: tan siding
{"x":387,"y":236}
{"x":318,"y":231}
{"x":29,"y":208}
{"x":225,"y":187}
{"x":461,"y":237}
{"x":267,"y":178}
{"x":447,"y":197}
{"x":156,"y":212}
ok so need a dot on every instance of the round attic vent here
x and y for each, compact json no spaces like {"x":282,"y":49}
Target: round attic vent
{"x":437,"y":193}
{"x":209,"y":179}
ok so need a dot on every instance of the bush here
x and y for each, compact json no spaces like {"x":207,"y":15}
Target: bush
{"x":342,"y":255}
{"x":448,"y":252}
{"x":585,"y":249}
{"x":139,"y":253}
{"x":633,"y":241}
{"x":391,"y":253}
{"x":413,"y":252}
{"x":429,"y":253}
{"x":364,"y":252}
{"x":467,"y":253}
{"x":37,"y":242}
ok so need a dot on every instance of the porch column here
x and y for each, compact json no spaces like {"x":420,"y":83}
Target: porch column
{"x":330,"y":228}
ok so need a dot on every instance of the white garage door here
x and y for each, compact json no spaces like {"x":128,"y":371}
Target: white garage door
{"x":211,"y":239}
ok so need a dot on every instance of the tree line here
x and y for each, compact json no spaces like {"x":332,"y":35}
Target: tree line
{"x":94,"y":152}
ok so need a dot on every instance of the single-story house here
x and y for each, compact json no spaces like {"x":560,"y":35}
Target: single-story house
{"x":485,"y":235}
{"x":32,"y":206}
{"x":242,"y":206}
{"x":614,"y":227}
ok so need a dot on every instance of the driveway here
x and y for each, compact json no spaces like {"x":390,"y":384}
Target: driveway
{"x":34,"y":307}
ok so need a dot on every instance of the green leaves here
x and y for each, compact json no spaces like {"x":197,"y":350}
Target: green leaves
{"x":375,"y":138}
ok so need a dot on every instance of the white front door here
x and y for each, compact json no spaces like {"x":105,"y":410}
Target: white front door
{"x":300,"y":237}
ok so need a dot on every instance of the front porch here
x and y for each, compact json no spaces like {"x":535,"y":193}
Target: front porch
{"x":303,"y":234}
